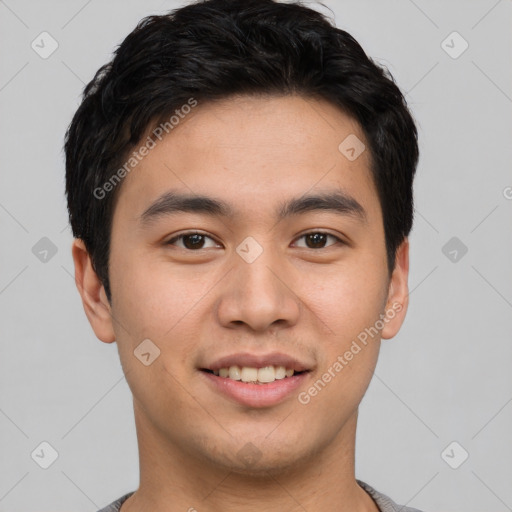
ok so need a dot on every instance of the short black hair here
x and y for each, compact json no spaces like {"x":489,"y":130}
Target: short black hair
{"x":215,"y":49}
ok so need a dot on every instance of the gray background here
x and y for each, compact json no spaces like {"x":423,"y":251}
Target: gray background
{"x":447,"y":375}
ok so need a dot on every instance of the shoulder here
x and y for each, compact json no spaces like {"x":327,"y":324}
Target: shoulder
{"x":384,"y":503}
{"x":116,"y":505}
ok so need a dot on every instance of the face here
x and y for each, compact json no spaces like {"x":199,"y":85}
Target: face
{"x":280,"y":266}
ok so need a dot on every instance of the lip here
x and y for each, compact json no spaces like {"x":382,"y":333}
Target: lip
{"x":255,"y":395}
{"x":259,"y":361}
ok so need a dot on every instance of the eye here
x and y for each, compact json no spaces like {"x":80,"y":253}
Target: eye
{"x":317,"y":239}
{"x":192,"y":241}
{"x":195,"y":240}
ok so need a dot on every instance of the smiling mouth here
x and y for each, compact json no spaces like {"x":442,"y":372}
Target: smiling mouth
{"x":253,"y":375}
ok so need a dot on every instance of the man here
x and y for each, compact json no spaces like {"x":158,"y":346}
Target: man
{"x":239,"y":183}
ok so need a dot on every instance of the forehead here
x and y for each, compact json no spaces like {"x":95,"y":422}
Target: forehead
{"x":252,"y":151}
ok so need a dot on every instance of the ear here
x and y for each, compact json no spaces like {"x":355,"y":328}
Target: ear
{"x":398,"y":293}
{"x":94,"y":298}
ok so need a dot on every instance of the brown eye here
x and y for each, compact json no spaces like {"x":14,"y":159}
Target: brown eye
{"x":191,"y":241}
{"x":318,"y":239}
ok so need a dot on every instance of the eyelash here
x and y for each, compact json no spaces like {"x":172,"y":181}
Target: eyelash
{"x":182,"y":235}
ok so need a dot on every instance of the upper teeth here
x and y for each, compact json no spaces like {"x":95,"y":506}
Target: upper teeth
{"x":250,"y":374}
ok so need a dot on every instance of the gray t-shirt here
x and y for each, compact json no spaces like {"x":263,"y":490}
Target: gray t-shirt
{"x":384,"y":503}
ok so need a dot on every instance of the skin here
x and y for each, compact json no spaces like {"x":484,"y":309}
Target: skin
{"x":197,"y":305}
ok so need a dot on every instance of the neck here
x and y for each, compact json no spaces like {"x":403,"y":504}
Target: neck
{"x":173,"y":480}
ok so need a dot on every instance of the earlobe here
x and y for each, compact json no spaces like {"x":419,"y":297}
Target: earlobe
{"x":398,"y":293}
{"x":94,"y":299}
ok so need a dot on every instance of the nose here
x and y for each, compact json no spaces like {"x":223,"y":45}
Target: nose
{"x":259,"y":295}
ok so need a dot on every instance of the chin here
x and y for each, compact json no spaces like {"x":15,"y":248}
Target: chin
{"x":261,"y":459}
{"x":263,"y":468}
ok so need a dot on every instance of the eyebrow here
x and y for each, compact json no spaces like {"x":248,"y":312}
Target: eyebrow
{"x":174,"y":202}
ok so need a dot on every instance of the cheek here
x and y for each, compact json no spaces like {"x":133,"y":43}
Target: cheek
{"x":349,"y":307}
{"x":152,"y":302}
{"x":346,"y":300}
{"x":152,"y":297}
{"x":163,"y":305}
